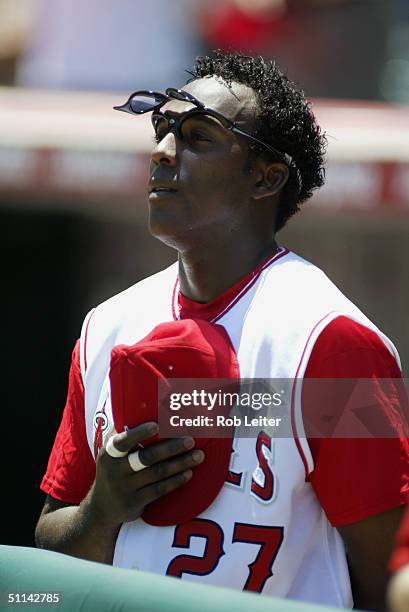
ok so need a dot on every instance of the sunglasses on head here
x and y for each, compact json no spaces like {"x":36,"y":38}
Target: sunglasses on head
{"x":145,"y":101}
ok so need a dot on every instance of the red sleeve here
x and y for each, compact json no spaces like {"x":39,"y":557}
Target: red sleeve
{"x":353,"y":477}
{"x":71,"y":467}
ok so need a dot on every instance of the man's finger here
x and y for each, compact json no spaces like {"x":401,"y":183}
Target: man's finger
{"x":126,"y":440}
{"x":112,"y":450}
{"x":165,"y":469}
{"x":164,"y":450}
{"x":152,"y":492}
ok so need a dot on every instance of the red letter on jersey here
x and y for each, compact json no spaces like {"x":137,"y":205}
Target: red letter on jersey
{"x":265,"y":491}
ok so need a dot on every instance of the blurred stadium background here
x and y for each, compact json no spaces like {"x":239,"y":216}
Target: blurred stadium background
{"x":73,"y":173}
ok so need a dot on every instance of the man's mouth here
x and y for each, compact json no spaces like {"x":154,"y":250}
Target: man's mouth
{"x":162,"y":190}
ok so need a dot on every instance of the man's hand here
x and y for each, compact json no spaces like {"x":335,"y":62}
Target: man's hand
{"x":119,"y":494}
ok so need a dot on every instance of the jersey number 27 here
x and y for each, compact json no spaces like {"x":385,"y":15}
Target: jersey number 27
{"x":268,"y":538}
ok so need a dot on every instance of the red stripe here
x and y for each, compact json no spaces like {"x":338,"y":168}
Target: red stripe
{"x":293,"y":422}
{"x":174,"y":313}
{"x":85,"y":340}
{"x":251,"y":283}
{"x":241,"y":293}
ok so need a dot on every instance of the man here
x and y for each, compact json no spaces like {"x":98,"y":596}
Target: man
{"x":237,"y":151}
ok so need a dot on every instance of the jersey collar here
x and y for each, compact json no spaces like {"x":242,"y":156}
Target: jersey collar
{"x":184,"y":308}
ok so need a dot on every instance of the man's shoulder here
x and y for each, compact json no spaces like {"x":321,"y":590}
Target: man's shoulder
{"x":346,"y":348}
{"x":143,"y":304}
{"x":307,"y":297}
{"x":144,"y":290}
{"x":288,"y":262}
{"x":297,"y":276}
{"x":304,"y":285}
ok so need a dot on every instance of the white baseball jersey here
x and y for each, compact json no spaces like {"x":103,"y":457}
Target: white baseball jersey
{"x":266,"y":530}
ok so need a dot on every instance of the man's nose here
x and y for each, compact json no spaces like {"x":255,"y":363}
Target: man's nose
{"x":164,"y":152}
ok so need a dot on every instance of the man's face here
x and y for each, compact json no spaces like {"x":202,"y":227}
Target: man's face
{"x":208,"y":187}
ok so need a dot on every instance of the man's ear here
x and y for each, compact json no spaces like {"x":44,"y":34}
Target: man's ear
{"x":270,"y":178}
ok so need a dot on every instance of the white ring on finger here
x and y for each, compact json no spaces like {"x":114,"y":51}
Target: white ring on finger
{"x":135,"y":462}
{"x":112,"y":450}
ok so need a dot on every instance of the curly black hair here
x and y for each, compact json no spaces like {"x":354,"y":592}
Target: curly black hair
{"x":284,"y":119}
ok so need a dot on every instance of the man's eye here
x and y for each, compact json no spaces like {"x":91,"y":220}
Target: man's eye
{"x":160,"y":127}
{"x":160,"y":133}
{"x":197,"y":136}
{"x":200,"y":136}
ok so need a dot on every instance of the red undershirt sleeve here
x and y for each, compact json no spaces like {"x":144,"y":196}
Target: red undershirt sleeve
{"x":71,"y":467}
{"x":354,"y":478}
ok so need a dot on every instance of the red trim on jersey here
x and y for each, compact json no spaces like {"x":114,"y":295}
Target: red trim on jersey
{"x":277,"y":256}
{"x":85,"y":339}
{"x":214,"y":310}
{"x":175,"y":289}
{"x":293,"y":421}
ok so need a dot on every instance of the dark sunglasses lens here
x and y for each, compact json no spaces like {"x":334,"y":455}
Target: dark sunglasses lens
{"x":179,"y":95}
{"x":143,"y":103}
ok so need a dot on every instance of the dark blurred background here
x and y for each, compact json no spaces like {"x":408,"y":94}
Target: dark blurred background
{"x":73,"y":174}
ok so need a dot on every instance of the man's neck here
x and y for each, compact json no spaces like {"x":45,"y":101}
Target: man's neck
{"x":208,"y":273}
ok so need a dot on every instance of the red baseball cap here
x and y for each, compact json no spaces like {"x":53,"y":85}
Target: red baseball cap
{"x":185,"y":349}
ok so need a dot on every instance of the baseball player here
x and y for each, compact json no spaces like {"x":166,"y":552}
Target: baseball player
{"x":304,"y":517}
